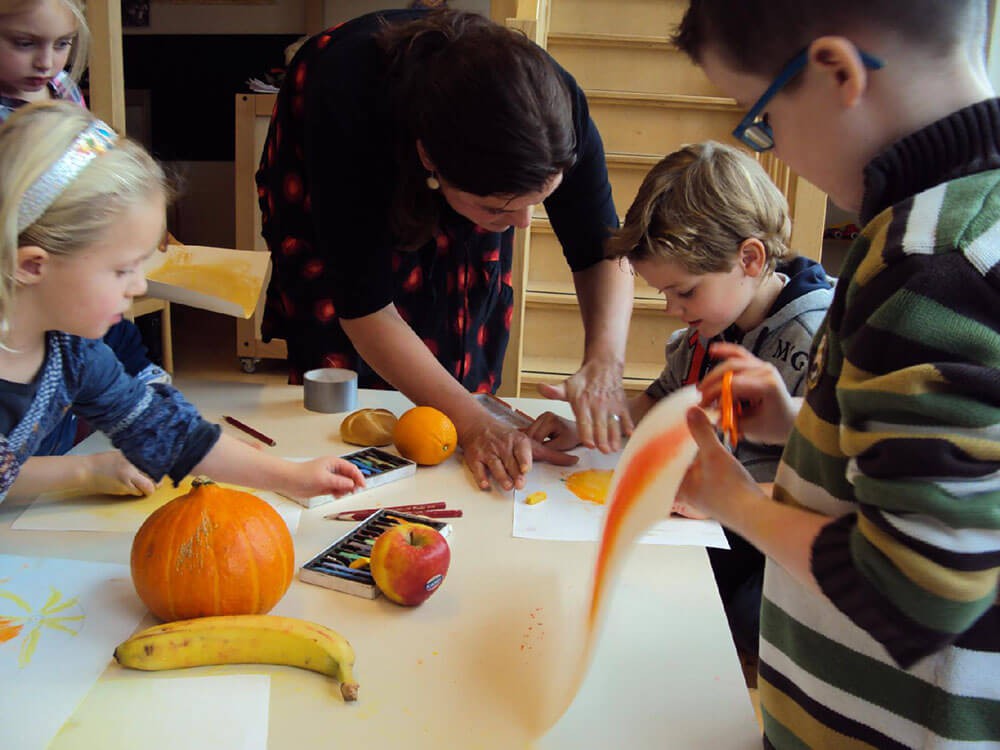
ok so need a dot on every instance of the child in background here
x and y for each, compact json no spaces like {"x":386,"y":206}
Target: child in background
{"x":710,"y":231}
{"x":80,"y":211}
{"x":880,"y":623}
{"x":39,"y":40}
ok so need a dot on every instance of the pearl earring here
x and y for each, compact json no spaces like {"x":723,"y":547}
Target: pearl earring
{"x":432,"y":182}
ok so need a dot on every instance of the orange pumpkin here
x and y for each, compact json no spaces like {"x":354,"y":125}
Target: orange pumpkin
{"x":213,"y":551}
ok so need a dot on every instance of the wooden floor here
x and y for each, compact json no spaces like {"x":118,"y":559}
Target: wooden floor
{"x":205,"y":346}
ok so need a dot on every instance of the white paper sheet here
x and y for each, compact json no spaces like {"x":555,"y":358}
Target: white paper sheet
{"x":60,"y":621}
{"x":161,"y":711}
{"x":562,"y":516}
{"x":72,"y":511}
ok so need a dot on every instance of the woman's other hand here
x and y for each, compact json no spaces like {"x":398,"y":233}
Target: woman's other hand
{"x":595,"y":392}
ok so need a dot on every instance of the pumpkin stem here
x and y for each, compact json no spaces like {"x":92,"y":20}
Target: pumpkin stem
{"x":201,"y":481}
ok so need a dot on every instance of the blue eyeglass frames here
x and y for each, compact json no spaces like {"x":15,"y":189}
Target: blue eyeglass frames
{"x":756,"y":133}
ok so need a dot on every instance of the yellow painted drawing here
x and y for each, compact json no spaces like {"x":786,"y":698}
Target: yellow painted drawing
{"x":53,"y":614}
{"x":590,"y":485}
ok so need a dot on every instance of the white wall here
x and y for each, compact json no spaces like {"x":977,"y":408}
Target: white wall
{"x":993,"y":46}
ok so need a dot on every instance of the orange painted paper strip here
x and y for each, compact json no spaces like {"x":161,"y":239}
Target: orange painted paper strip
{"x":642,"y":492}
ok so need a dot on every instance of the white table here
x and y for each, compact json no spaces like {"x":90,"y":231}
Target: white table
{"x":465,"y":669}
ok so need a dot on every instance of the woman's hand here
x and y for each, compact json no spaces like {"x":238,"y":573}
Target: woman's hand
{"x":595,"y":392}
{"x":767,"y":409}
{"x":553,"y":431}
{"x":494,"y":449}
{"x":110,"y":473}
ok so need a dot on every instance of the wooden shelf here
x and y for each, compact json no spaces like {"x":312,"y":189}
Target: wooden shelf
{"x":554,"y":293}
{"x":556,"y":369}
{"x":666,"y":101}
{"x":589,"y":40}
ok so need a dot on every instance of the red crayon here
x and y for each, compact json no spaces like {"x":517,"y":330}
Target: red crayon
{"x":363,"y":513}
{"x":249,"y":430}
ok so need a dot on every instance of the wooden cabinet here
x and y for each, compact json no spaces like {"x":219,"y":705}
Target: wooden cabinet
{"x":647,"y":99}
{"x":253,"y":115}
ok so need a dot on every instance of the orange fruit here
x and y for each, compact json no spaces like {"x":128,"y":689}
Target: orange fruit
{"x":425,"y":435}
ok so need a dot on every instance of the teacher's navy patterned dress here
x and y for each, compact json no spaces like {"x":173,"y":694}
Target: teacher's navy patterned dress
{"x":325,"y":184}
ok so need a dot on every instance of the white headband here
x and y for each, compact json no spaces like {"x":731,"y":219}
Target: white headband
{"x":97,"y":138}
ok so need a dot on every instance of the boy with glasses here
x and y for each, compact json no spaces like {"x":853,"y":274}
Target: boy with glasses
{"x":880,"y":626}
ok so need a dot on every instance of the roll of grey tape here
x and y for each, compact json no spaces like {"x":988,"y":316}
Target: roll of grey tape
{"x":331,"y":390}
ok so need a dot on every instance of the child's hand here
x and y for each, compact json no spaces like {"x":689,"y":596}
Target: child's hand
{"x":110,"y":473}
{"x":554,"y":431}
{"x":716,"y":485}
{"x":321,"y":476}
{"x":767,"y":408}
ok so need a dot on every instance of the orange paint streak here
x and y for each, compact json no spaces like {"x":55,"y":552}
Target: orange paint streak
{"x":638,"y":474}
{"x":8,"y":631}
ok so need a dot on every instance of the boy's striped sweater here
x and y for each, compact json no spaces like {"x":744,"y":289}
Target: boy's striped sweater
{"x":899,"y":438}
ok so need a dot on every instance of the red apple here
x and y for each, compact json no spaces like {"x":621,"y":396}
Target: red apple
{"x":409,"y":562}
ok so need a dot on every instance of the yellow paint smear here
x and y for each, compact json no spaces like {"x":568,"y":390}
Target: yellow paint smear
{"x":591,"y":485}
{"x":235,"y":280}
{"x":535,"y":498}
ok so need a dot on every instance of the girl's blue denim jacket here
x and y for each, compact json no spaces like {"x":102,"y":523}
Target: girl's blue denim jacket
{"x":153,"y":425}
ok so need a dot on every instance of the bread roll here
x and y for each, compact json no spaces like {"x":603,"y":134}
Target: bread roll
{"x":368,"y":427}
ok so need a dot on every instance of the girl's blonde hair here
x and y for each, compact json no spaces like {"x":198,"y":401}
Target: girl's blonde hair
{"x":81,"y":45}
{"x":696,"y":207}
{"x":34,"y":138}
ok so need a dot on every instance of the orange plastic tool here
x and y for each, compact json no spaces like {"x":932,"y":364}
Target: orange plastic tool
{"x":729,"y":413}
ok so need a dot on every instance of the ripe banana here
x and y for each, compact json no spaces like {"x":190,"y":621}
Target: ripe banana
{"x":243,"y":639}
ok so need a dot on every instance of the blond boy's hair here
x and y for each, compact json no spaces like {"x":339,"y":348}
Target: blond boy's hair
{"x":697,"y":205}
{"x":34,"y":138}
{"x":81,"y":45}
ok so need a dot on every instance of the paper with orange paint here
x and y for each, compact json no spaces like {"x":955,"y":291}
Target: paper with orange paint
{"x":210,"y":278}
{"x":643,"y":488}
{"x":574,"y":508}
{"x":60,"y":622}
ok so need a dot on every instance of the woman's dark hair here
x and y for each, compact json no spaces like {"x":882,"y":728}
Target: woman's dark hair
{"x":490,"y":107}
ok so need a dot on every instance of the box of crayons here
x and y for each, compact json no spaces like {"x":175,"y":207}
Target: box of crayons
{"x":378,"y":467}
{"x":332,"y":569}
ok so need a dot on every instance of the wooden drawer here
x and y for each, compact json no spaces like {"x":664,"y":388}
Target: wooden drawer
{"x":626,"y":173}
{"x":548,"y":271}
{"x":553,"y":337}
{"x":625,"y":63}
{"x":635,"y":17}
{"x":639,"y":124}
